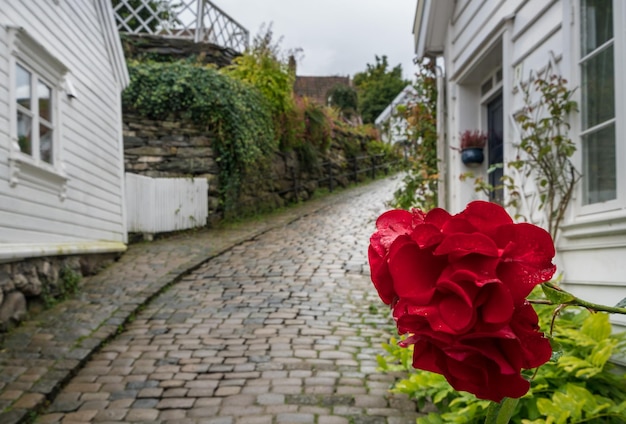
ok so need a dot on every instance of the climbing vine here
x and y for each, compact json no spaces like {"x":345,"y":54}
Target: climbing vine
{"x":420,"y":184}
{"x":236,"y":112}
{"x":546,"y":152}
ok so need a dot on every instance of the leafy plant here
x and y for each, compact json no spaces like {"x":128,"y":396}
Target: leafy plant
{"x":546,"y":152}
{"x":474,"y":138}
{"x":345,"y":99}
{"x":237,"y":113}
{"x":548,"y":148}
{"x":420,"y":184}
{"x":578,"y":385}
{"x":377,"y":86}
{"x":265,"y":67}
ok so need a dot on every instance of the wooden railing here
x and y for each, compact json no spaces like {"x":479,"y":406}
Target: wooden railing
{"x":199,"y":20}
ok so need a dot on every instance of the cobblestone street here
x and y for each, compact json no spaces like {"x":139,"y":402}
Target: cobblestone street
{"x":283,"y":328}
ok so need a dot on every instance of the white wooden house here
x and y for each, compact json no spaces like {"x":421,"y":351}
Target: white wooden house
{"x":390,"y":124}
{"x":62,"y":71}
{"x":487,"y":50}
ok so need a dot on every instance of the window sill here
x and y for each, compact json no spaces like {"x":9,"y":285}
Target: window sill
{"x":608,"y":225}
{"x":24,"y":171}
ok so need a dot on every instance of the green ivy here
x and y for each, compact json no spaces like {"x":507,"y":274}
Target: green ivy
{"x":237,"y":113}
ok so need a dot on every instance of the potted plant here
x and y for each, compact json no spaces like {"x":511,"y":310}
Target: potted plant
{"x":472,"y":145}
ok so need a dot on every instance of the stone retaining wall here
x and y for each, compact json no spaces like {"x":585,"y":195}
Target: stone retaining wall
{"x":172,"y":148}
{"x":142,"y":46}
{"x":28,"y":285}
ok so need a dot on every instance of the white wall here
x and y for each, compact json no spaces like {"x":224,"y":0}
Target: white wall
{"x":592,"y":247}
{"x":90,"y":216}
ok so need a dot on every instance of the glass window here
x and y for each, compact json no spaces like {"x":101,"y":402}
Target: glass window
{"x":35,"y":127}
{"x":599,"y":165}
{"x":598,"y":101}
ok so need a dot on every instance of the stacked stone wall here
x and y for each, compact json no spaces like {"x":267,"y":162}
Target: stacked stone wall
{"x":173,"y":148}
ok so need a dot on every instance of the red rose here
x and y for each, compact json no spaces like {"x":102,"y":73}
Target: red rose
{"x":457,"y":285}
{"x":487,"y":364}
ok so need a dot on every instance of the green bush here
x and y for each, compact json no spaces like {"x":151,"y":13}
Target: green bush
{"x":578,"y":385}
{"x":237,"y":113}
{"x":262,"y":67}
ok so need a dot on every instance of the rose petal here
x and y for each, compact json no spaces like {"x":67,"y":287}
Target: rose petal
{"x":537,"y":349}
{"x":414,"y":271}
{"x":456,"y":313}
{"x":486,"y":216}
{"x":459,"y":245}
{"x":426,"y":235}
{"x":390,"y":225}
{"x":380,"y":276}
{"x":437,"y":217}
{"x":495,"y":303}
{"x":458,"y":224}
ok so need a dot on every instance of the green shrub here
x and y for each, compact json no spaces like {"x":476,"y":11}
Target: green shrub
{"x":262,"y":67}
{"x":237,"y":113}
{"x":578,"y":385}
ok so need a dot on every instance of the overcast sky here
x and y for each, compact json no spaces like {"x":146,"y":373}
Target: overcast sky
{"x":338,"y":37}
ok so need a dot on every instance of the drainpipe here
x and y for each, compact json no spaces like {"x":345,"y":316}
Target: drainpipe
{"x":442,"y":150}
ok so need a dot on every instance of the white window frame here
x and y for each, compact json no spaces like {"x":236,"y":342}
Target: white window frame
{"x":619,"y":47}
{"x":597,"y":224}
{"x":26,"y":168}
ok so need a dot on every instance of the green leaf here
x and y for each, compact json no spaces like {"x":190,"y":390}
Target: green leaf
{"x":621,"y":303}
{"x":597,"y":326}
{"x":501,"y":413}
{"x":555,"y":296}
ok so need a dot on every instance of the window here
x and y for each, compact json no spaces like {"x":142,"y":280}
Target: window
{"x":34,"y":115}
{"x":35,"y":81}
{"x":598,"y":102}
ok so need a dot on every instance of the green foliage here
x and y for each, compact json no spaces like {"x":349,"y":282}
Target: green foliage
{"x":420,"y":184}
{"x":345,"y":99}
{"x":377,"y":86}
{"x":547,"y":151}
{"x":236,"y":112}
{"x":578,"y":385}
{"x":548,"y":147}
{"x":67,"y":285}
{"x":263,"y":67}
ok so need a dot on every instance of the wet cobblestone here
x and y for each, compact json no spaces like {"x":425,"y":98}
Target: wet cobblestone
{"x":268,"y":322}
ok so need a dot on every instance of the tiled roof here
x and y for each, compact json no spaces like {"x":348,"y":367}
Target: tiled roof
{"x":317,"y":87}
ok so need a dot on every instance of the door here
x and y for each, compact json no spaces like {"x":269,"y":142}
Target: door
{"x":495,"y":133}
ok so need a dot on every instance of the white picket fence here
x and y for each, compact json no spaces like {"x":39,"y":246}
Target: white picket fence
{"x":157,"y":205}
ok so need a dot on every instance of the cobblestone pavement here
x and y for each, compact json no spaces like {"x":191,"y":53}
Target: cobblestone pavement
{"x":279,"y":326}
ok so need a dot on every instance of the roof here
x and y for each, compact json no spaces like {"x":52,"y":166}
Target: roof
{"x":113,"y":42}
{"x":407,"y":94}
{"x":317,"y":87}
{"x":430,"y":26}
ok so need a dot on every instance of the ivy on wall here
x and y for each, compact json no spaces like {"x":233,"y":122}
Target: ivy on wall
{"x":236,"y":112}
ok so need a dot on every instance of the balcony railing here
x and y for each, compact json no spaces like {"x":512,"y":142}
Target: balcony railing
{"x":199,"y":20}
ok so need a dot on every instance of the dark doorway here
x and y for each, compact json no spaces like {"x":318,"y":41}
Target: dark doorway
{"x":495,"y":130}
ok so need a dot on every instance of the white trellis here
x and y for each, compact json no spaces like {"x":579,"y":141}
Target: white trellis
{"x":199,"y":20}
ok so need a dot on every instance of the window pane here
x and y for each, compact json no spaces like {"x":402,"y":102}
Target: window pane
{"x":22,"y":86}
{"x":598,"y":89}
{"x":45,"y":143}
{"x":599,"y":165}
{"x":597,"y":24}
{"x":24,"y":132}
{"x":45,"y":97}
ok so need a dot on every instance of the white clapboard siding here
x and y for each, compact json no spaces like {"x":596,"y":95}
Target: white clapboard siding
{"x":526,"y":38}
{"x":88,"y":208}
{"x":157,"y":205}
